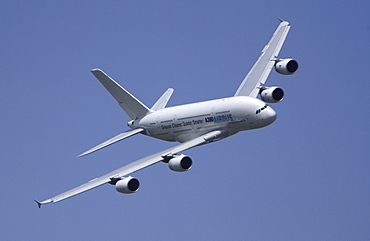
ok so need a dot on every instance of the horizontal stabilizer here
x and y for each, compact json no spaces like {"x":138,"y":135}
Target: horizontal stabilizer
{"x":163,"y":100}
{"x":129,"y":103}
{"x":113,"y":140}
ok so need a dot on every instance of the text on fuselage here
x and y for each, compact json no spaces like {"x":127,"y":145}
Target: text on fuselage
{"x":215,"y":119}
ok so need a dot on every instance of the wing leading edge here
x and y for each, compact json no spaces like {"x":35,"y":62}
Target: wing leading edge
{"x":260,"y":71}
{"x":137,"y":165}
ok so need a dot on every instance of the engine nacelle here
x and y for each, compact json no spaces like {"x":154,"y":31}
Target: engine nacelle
{"x":272,"y":94}
{"x":180,"y":163}
{"x":286,"y":66}
{"x":127,"y":185}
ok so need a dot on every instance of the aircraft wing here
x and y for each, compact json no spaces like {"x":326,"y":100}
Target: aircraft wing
{"x":137,"y":165}
{"x":257,"y":76}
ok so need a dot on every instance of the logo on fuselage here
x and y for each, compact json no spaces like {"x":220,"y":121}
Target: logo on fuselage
{"x":219,"y":118}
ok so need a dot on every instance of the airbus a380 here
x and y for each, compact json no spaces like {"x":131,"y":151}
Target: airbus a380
{"x":192,"y":124}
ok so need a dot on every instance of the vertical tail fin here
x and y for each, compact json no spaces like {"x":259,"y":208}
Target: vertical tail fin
{"x":129,"y":103}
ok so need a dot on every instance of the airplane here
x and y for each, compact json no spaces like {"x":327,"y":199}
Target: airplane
{"x":192,"y":124}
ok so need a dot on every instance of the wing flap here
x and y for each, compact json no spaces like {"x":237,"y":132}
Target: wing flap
{"x":137,"y":165}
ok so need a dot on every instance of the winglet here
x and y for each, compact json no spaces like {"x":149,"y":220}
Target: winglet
{"x":44,"y":202}
{"x":38,"y":203}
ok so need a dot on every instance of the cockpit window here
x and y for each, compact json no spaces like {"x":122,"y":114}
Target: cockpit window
{"x":261,"y":109}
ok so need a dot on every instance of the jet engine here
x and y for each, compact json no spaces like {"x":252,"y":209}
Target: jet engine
{"x":180,"y":163}
{"x":272,"y":94}
{"x":286,"y":66}
{"x":127,"y":185}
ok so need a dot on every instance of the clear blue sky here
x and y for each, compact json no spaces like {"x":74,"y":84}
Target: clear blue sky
{"x":306,"y":177}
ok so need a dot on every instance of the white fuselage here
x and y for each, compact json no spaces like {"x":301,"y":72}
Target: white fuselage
{"x":185,"y":122}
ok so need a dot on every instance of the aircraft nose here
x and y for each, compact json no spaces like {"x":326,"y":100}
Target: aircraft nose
{"x":271,"y":115}
{"x":268,"y":116}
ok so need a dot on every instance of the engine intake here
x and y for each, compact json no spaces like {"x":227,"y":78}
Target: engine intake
{"x":286,"y":66}
{"x":180,"y":163}
{"x":127,"y":185}
{"x":272,"y":94}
